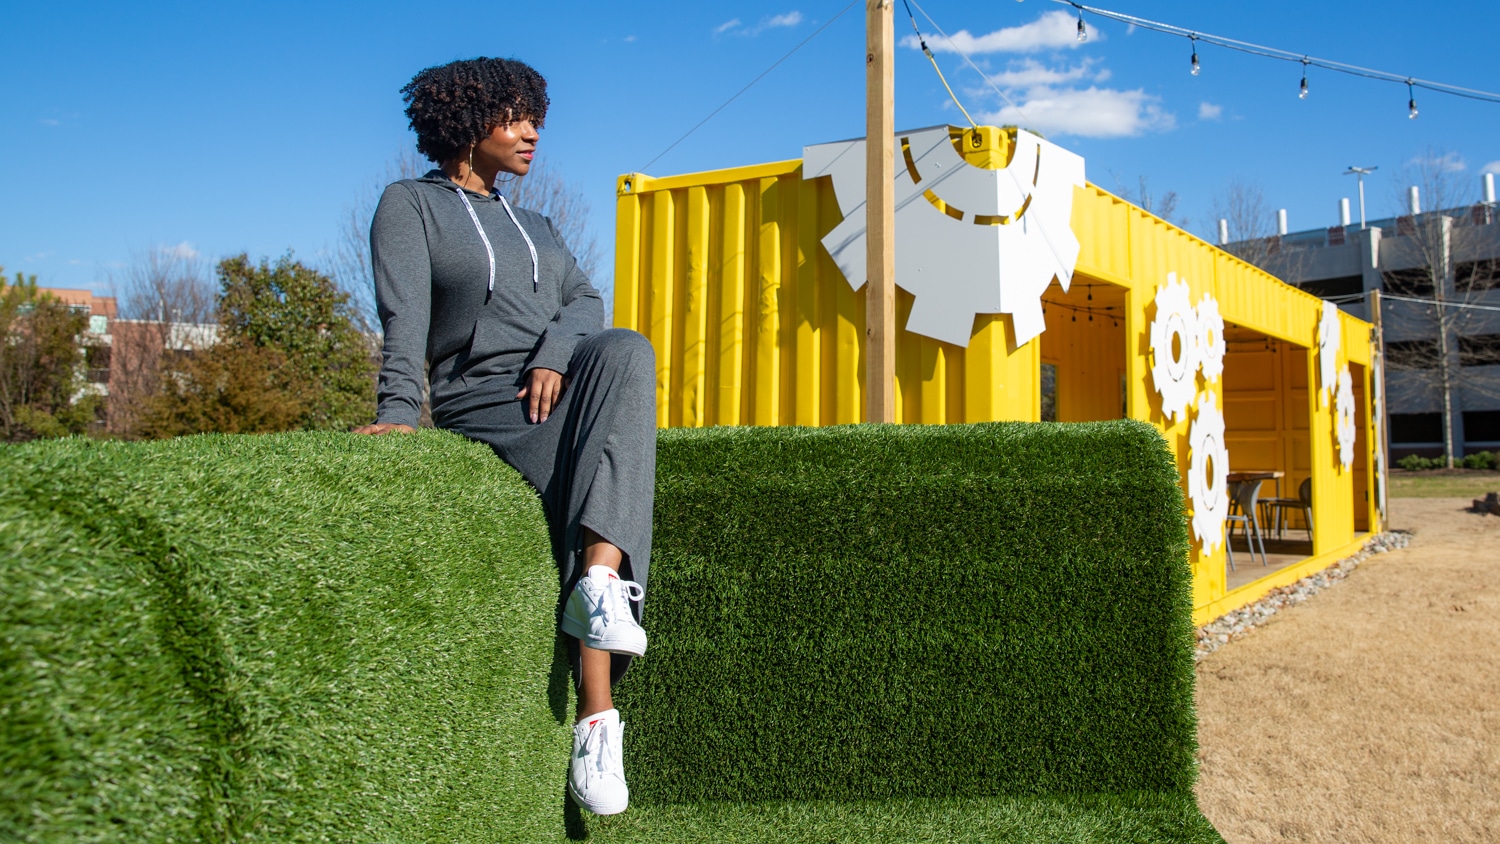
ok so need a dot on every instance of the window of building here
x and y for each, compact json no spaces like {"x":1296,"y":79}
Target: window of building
{"x":1323,"y":288}
{"x":1475,"y":276}
{"x":1416,"y":427}
{"x":1411,"y":354}
{"x":1413,"y":282}
{"x":1479,"y":350}
{"x":1482,"y":426}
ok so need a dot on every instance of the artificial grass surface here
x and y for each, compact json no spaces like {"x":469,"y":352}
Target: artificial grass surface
{"x":289,"y":638}
{"x":1096,"y":819}
{"x":879,"y":612}
{"x":973,"y":633}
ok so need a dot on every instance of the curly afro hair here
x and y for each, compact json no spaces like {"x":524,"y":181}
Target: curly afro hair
{"x":454,"y":105}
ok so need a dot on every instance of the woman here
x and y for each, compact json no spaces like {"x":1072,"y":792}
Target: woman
{"x":513,"y":336}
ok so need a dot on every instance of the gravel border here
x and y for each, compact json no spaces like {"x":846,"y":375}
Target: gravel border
{"x":1225,"y":629}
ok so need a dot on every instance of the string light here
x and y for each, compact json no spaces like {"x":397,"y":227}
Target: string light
{"x":1083,"y":33}
{"x":1307,"y":61}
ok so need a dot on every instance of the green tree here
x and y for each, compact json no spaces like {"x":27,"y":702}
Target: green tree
{"x":289,"y":356}
{"x":43,"y":385}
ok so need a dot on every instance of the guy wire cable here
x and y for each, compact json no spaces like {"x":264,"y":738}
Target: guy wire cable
{"x":931,"y":58}
{"x":1046,"y":236}
{"x":737,"y":94}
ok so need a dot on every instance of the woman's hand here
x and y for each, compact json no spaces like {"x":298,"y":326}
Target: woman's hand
{"x":543,"y":390}
{"x":380,"y":428}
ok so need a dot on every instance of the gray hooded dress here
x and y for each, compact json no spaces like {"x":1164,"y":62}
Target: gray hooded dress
{"x":482,"y":325}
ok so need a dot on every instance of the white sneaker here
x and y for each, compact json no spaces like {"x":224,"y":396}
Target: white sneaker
{"x":596,"y":778}
{"x":598,"y":613}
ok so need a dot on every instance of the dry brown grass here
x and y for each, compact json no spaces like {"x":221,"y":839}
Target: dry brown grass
{"x":1369,"y":714}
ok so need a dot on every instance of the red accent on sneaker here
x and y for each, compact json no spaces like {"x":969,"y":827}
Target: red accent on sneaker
{"x":595,"y":721}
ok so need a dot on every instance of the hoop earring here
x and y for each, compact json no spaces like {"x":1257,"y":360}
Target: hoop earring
{"x":471,"y":164}
{"x":512,"y":178}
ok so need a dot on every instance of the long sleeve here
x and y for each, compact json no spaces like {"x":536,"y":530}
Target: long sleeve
{"x":581,"y":314}
{"x":403,"y":295}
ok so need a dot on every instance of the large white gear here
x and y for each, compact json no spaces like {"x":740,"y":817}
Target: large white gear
{"x":1343,"y":418}
{"x":1174,"y":374}
{"x":969,"y":240}
{"x":1208,"y":473}
{"x":1211,"y":344}
{"x":1330,"y":338}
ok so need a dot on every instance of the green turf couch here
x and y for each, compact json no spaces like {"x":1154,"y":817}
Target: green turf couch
{"x":969,"y":633}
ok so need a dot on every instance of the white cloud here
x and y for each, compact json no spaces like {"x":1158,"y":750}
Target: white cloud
{"x":737,"y":27}
{"x":1450,"y":162}
{"x":1492,"y":167}
{"x":629,"y":39}
{"x":1090,"y":113}
{"x":1031,"y":73}
{"x":183,"y":250}
{"x":1051,"y":31}
{"x":1210,"y":111}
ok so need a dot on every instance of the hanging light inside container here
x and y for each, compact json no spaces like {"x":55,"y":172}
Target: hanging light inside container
{"x":1196,"y":67}
{"x":1083,"y":32}
{"x":1302,"y":94}
{"x":1411,"y":101}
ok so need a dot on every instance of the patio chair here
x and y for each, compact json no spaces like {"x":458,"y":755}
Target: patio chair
{"x":1277,"y":509}
{"x":1242,"y":511}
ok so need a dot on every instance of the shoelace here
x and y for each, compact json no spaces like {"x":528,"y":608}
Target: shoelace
{"x":599,"y":751}
{"x":629,"y":591}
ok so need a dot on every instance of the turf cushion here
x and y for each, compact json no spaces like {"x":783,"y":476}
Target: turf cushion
{"x":877,"y":612}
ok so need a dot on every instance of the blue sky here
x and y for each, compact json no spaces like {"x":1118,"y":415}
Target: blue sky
{"x":214,"y":129}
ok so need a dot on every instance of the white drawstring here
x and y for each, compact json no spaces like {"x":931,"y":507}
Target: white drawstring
{"x":490,"y":250}
{"x":535,"y":270}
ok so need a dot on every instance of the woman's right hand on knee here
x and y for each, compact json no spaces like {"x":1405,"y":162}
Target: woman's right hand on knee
{"x":380,"y":428}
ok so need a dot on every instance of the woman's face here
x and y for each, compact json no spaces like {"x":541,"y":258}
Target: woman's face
{"x":510,"y":146}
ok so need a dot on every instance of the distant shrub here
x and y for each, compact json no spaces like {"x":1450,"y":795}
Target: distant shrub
{"x":1482,"y":460}
{"x":1416,"y":463}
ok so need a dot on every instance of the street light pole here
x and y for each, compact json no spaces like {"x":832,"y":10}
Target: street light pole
{"x":1361,"y":172}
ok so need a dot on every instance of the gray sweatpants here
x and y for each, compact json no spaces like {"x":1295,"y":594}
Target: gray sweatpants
{"x":593,"y":460}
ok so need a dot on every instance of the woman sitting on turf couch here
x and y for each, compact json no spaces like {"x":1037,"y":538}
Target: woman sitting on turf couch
{"x":512,"y":333}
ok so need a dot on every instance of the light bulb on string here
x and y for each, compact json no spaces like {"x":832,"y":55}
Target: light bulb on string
{"x":1302,"y":94}
{"x":1411,"y":102}
{"x":1083,"y":32}
{"x":1196,"y":67}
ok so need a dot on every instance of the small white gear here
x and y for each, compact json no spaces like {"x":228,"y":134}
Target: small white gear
{"x":1208,"y":471}
{"x":1343,"y":418}
{"x":1174,"y":373}
{"x":1211,"y":344}
{"x":1330,"y":338}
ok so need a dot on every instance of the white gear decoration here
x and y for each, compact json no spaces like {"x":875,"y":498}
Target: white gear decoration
{"x":1208,"y":471}
{"x":969,"y":240}
{"x":1330,"y":338}
{"x":1174,"y":374}
{"x":1343,"y":418}
{"x":1211,"y":344}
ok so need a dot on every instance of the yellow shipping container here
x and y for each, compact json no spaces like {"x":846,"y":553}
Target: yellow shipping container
{"x":754,"y":324}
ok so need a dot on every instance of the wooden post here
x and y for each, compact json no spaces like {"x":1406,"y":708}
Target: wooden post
{"x":1377,"y":354}
{"x":880,"y":201}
